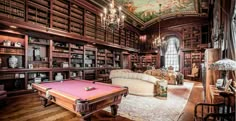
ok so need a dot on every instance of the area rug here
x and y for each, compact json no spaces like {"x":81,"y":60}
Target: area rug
{"x":140,"y":108}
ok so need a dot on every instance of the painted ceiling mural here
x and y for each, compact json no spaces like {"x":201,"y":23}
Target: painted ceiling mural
{"x":150,"y":9}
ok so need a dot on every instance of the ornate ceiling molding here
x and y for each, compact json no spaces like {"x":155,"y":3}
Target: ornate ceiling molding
{"x":132,"y":19}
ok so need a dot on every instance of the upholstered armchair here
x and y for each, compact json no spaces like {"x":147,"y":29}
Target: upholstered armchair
{"x":3,"y":93}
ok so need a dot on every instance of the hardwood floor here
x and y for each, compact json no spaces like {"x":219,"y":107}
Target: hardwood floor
{"x":28,"y":107}
{"x":196,"y":96}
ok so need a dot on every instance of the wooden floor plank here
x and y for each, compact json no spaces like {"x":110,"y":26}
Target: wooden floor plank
{"x":58,"y":116}
{"x":38,"y":114}
{"x":26,"y":111}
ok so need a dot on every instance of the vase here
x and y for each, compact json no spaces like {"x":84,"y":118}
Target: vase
{"x":13,"y":61}
{"x":58,"y":77}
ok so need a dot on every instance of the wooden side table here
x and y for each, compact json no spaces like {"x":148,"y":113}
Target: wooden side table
{"x":215,"y":94}
{"x":217,"y":98}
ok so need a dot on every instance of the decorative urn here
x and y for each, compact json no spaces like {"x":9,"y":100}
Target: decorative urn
{"x":58,"y":77}
{"x":13,"y":61}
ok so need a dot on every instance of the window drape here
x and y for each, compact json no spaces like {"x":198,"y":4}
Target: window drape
{"x":176,"y":45}
{"x":164,"y":47}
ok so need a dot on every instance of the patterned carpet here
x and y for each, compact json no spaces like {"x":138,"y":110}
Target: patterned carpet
{"x":153,"y":109}
{"x":29,"y":108}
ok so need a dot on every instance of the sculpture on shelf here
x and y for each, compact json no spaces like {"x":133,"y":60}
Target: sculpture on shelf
{"x":17,"y":44}
{"x":13,"y":61}
{"x":6,"y":43}
{"x":58,"y":77}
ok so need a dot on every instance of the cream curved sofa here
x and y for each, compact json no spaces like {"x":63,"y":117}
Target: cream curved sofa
{"x":138,"y":83}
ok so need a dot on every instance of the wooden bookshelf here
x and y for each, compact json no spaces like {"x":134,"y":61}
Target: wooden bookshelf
{"x":90,"y":54}
{"x":101,"y":58}
{"x":60,"y":29}
{"x":191,"y":37}
{"x":109,"y":58}
{"x":193,"y":47}
{"x":77,"y":55}
{"x":68,"y":17}
{"x":90,"y":24}
{"x":117,"y":59}
{"x":38,"y":52}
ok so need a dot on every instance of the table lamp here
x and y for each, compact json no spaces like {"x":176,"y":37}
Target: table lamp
{"x":225,"y":65}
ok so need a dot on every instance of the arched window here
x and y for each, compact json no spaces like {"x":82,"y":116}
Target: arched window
{"x":171,"y":55}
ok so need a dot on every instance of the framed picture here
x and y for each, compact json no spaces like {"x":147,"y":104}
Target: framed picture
{"x":227,"y":84}
{"x":31,"y":66}
{"x":219,"y":82}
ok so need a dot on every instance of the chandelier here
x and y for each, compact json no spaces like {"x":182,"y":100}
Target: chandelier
{"x":112,"y":18}
{"x":158,"y":41}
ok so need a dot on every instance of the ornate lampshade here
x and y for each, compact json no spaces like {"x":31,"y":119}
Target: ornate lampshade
{"x":224,"y":64}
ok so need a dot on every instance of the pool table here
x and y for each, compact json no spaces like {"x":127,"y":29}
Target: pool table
{"x":81,"y":96}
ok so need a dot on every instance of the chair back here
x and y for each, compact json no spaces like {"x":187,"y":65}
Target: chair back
{"x":195,"y":71}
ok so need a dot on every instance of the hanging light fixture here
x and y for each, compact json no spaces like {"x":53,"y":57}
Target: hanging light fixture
{"x":112,"y":18}
{"x":158,"y":41}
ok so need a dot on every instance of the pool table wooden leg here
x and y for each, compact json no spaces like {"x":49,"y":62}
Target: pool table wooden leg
{"x":44,"y":101}
{"x":114,"y":109}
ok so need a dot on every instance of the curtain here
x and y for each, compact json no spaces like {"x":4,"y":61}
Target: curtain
{"x":163,"y":49}
{"x":232,"y":37}
{"x":177,"y":45}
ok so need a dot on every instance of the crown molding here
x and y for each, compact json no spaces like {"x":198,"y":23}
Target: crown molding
{"x":141,"y":25}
